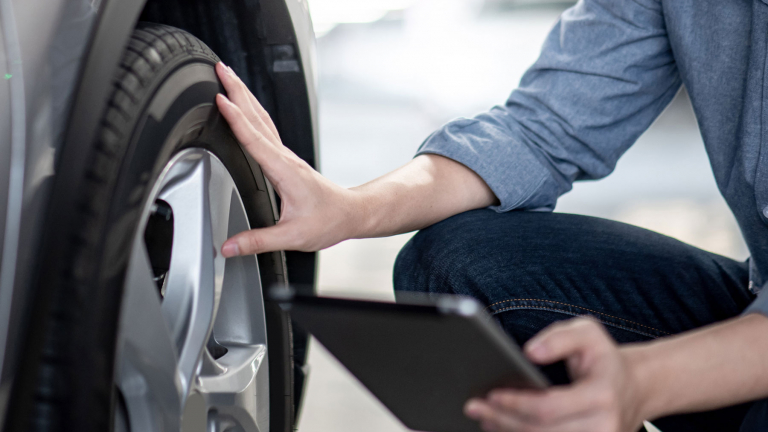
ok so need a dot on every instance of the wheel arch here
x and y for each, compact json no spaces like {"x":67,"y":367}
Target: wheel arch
{"x":274,"y":59}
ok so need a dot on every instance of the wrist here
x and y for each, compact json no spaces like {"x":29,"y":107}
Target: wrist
{"x":358,"y":214}
{"x":644,"y":382}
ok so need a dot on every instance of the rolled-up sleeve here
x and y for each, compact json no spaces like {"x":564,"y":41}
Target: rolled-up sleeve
{"x":757,"y":286}
{"x":606,"y":71}
{"x":759,"y":305}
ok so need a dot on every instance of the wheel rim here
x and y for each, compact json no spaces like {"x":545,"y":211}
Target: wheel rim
{"x":192,"y":341}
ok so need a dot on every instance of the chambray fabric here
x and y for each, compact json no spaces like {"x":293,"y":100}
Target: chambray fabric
{"x":606,"y":71}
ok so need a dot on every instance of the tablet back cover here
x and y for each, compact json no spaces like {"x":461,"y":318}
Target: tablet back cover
{"x":421,"y":363}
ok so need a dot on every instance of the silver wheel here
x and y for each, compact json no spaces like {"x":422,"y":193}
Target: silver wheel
{"x":192,"y":344}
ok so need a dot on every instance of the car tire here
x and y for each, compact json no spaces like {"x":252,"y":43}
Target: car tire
{"x":165,"y":74}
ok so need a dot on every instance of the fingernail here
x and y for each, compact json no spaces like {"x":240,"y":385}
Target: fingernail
{"x":230,"y":250}
{"x":222,"y":63}
{"x":472,"y":408}
{"x":230,"y":70}
{"x":223,"y":98}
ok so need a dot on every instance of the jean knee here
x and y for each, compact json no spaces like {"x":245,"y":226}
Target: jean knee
{"x":411,"y":273}
{"x":421,"y":266}
{"x":440,"y":259}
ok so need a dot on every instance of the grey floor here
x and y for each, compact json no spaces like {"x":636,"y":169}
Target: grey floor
{"x":384,"y":86}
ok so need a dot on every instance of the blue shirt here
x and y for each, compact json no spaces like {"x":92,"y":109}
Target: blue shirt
{"x":606,"y":71}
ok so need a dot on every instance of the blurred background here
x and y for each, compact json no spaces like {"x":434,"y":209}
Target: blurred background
{"x":393,"y":71}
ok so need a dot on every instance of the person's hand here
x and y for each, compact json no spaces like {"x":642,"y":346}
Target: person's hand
{"x":315,"y":213}
{"x":602,"y":398}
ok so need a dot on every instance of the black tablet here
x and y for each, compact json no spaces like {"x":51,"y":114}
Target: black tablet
{"x":422,"y":358}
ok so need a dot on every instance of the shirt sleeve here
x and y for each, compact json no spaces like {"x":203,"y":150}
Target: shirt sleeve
{"x":606,"y":71}
{"x":758,"y":305}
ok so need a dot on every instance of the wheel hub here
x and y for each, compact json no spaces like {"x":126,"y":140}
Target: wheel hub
{"x":192,"y":341}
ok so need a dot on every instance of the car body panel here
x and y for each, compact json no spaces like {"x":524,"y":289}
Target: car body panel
{"x":67,"y":52}
{"x":43,"y":71}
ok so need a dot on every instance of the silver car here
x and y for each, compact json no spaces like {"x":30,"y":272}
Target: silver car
{"x":119,"y":182}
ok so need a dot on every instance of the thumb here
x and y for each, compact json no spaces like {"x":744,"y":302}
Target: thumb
{"x":567,"y":339}
{"x":257,"y":241}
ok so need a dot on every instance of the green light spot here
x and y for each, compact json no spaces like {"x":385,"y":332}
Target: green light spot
{"x":8,"y":76}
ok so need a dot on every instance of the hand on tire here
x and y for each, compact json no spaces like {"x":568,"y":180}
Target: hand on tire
{"x":315,"y":212}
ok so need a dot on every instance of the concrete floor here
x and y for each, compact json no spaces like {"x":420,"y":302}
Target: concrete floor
{"x":385,"y":86}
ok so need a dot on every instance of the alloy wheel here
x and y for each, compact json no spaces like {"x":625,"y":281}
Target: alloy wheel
{"x":192,"y":345}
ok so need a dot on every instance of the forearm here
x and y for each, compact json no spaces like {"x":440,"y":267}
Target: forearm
{"x":427,"y":190}
{"x":717,"y":366}
{"x":315,"y":212}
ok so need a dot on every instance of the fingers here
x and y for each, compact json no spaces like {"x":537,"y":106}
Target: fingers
{"x":239,"y":94}
{"x":492,"y":418}
{"x":550,"y":407}
{"x":589,"y":404}
{"x":568,"y":338}
{"x":262,"y":113}
{"x":257,"y":241}
{"x":264,"y":152}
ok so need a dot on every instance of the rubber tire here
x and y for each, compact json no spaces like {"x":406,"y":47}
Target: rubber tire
{"x":75,"y":387}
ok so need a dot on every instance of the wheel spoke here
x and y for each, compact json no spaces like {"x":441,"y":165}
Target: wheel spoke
{"x":199,"y":346}
{"x":240,"y":313}
{"x":192,"y":293}
{"x":240,"y":395}
{"x":241,"y":310}
{"x":147,"y":372}
{"x":222,"y":196}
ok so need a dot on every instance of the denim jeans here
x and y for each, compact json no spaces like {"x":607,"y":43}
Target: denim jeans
{"x":534,"y":268}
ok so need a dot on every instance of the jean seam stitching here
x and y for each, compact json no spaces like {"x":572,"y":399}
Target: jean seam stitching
{"x":575,"y":314}
{"x":577,"y":307}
